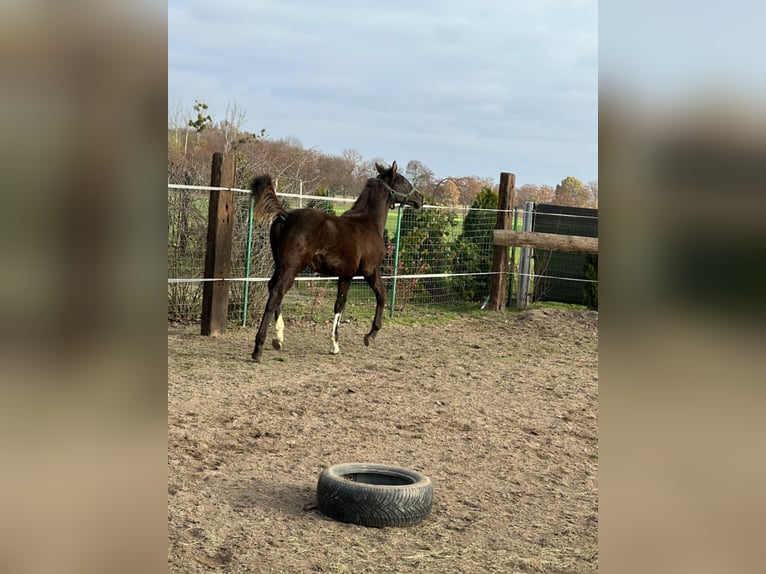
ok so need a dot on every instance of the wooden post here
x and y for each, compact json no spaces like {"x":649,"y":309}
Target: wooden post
{"x":220,"y":222}
{"x":498,"y":286}
{"x":551,"y":241}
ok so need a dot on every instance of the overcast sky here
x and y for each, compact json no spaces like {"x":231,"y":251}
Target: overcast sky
{"x":467,"y":88}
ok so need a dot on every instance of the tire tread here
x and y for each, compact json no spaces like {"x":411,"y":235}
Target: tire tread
{"x":373,"y":505}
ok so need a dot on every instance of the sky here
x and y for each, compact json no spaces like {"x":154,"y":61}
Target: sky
{"x":674,"y":51}
{"x":466,"y":88}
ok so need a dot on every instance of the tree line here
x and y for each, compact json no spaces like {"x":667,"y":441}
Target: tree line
{"x":193,"y":136}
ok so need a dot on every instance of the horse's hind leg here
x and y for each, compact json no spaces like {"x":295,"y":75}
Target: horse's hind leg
{"x":278,"y":286}
{"x":340,"y":304}
{"x":376,"y":283}
{"x":260,"y":336}
{"x":279,"y":326}
{"x":279,"y":322}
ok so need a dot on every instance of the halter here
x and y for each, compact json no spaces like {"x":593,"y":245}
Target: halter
{"x":392,"y":194}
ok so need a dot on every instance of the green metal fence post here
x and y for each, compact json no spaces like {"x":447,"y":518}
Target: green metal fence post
{"x":396,"y":260}
{"x":248,"y":249}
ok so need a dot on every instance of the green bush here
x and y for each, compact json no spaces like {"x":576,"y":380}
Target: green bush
{"x":423,"y":248}
{"x":472,"y":252}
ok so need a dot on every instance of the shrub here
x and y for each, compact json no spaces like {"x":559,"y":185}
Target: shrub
{"x":423,"y":248}
{"x":472,"y":252}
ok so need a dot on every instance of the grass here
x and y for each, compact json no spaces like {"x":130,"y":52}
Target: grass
{"x":413,"y":314}
{"x":394,"y":213}
{"x":556,"y":305}
{"x":432,"y":315}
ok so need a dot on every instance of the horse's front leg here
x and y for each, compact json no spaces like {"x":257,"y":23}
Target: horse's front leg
{"x":376,"y":284}
{"x":340,"y":304}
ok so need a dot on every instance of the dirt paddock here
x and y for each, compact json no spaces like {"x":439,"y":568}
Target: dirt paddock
{"x":498,"y":409}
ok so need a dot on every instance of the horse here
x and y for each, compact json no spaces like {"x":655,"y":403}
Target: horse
{"x":341,"y":246}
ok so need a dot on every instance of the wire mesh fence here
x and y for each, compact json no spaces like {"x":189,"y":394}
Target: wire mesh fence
{"x":565,"y":277}
{"x":444,"y":259}
{"x":187,"y":233}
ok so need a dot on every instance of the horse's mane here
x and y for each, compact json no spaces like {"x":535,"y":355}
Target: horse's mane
{"x":266,"y":204}
{"x":365,"y":197}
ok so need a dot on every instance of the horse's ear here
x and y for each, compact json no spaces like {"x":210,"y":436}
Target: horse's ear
{"x":393,"y":169}
{"x":380,"y":168}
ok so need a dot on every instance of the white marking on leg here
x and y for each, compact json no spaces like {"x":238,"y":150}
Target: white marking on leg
{"x":335,"y":348}
{"x":279,"y":326}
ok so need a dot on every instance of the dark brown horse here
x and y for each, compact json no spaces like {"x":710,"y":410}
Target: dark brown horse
{"x":337,"y":246}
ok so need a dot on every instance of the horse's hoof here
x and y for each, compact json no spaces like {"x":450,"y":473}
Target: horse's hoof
{"x":277,"y":344}
{"x":367,"y":340}
{"x":256,"y":358}
{"x":335,"y":349}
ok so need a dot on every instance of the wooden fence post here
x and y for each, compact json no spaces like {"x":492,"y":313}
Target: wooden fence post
{"x":220,"y":223}
{"x":498,"y":286}
{"x":549,"y":241}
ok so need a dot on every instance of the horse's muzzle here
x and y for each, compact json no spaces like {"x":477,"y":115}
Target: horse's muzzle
{"x":415,"y":200}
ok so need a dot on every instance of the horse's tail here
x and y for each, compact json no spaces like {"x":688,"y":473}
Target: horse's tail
{"x":266,"y":204}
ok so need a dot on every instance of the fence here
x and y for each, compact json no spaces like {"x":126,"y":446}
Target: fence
{"x":445,"y":259}
{"x":575,"y":267}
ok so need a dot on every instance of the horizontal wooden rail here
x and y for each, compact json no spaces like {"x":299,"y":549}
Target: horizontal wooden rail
{"x":552,"y":241}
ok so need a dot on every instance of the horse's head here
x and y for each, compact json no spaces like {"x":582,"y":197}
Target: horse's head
{"x":401,"y":190}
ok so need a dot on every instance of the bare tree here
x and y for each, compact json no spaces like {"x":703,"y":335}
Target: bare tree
{"x":355,"y":163}
{"x":176,"y":121}
{"x":421,"y":176}
{"x":232,"y":124}
{"x":536,"y":193}
{"x":592,"y":187}
{"x":368,"y":167}
{"x":470,"y":187}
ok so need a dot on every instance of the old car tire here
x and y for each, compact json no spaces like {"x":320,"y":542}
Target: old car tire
{"x":374,"y":494}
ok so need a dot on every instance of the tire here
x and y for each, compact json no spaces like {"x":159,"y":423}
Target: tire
{"x":374,"y":494}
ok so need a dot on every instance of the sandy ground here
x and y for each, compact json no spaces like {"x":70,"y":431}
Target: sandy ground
{"x":498,"y":409}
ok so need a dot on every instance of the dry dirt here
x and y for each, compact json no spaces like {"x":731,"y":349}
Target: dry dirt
{"x":498,"y":409}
